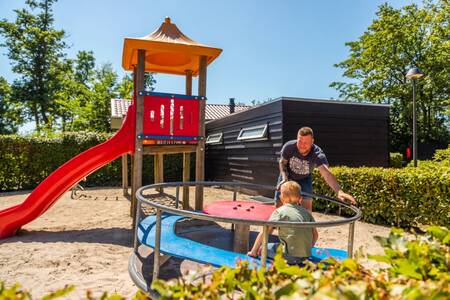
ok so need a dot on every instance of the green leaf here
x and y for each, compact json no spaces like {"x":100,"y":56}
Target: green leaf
{"x":408,"y":268}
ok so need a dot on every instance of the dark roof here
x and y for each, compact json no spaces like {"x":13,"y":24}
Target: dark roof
{"x":119,"y":108}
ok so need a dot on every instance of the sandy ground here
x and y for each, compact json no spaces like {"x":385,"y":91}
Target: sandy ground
{"x":88,"y":241}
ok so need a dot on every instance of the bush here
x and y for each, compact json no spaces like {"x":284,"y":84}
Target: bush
{"x":417,"y":269}
{"x":26,"y":161}
{"x":405,"y":197}
{"x":395,"y":160}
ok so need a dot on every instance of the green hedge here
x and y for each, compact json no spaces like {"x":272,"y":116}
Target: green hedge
{"x":402,"y":197}
{"x":395,"y":160}
{"x":26,"y":161}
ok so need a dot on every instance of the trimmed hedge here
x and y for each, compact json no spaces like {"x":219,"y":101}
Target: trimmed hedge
{"x":402,"y":197}
{"x":395,"y":160}
{"x":26,"y":161}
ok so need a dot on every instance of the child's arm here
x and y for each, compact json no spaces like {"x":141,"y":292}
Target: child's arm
{"x":254,"y":251}
{"x":315,"y":236}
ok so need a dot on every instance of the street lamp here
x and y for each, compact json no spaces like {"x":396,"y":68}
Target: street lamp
{"x":414,"y":74}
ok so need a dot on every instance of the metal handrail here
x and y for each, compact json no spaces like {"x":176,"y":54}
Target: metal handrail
{"x":202,"y":216}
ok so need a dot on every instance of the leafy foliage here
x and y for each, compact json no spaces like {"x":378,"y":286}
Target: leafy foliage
{"x":417,"y":269}
{"x":57,"y":93}
{"x":396,"y":40}
{"x":35,"y":49}
{"x":395,"y":159}
{"x":26,"y":161}
{"x":9,"y":112}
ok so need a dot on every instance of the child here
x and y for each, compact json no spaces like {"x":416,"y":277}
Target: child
{"x":296,"y":242}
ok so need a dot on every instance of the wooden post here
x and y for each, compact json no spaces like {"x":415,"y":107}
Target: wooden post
{"x":186,"y":177}
{"x":200,"y":153}
{"x":158,"y":167}
{"x":138,"y":151}
{"x":125,"y":174}
{"x":187,"y":156}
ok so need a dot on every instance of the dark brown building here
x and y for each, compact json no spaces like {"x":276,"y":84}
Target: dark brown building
{"x":245,"y":146}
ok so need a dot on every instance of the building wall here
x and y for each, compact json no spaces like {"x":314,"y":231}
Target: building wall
{"x":245,"y":161}
{"x":350,"y":134}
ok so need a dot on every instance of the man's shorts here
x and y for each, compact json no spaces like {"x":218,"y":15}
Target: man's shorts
{"x":305,"y":184}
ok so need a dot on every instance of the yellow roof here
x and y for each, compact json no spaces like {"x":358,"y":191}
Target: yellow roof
{"x":168,"y":50}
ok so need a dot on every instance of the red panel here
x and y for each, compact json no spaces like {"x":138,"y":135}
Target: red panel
{"x":184,"y":119}
{"x":158,"y":125}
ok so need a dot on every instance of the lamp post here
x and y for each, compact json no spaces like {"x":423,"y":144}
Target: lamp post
{"x":414,"y":74}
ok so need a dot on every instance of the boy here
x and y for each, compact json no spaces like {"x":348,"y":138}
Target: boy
{"x":296,"y":242}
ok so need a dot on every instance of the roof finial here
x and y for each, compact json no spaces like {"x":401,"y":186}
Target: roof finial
{"x":167,"y":20}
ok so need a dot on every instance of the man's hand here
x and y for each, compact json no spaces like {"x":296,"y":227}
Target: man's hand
{"x":346,"y":197}
{"x":281,"y":183}
{"x":252,"y":254}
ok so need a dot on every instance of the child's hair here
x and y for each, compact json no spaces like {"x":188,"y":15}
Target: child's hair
{"x":290,"y":191}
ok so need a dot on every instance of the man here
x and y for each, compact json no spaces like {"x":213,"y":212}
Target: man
{"x":298,"y":160}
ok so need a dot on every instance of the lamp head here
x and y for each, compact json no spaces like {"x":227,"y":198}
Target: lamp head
{"x":414,"y":73}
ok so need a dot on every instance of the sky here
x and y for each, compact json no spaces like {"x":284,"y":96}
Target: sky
{"x":270,"y":48}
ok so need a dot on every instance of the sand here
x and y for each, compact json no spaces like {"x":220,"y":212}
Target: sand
{"x":87,"y":242}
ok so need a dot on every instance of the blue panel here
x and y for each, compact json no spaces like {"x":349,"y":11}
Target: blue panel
{"x":174,"y":245}
{"x":170,"y":137}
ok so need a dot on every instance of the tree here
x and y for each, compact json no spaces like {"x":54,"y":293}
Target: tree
{"x":10,"y":114}
{"x":125,"y":87}
{"x":35,"y":50}
{"x":396,"y":40}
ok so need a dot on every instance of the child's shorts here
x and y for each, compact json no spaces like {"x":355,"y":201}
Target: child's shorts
{"x":292,"y":260}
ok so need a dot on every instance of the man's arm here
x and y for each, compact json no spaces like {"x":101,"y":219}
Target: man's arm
{"x":334,"y":185}
{"x":258,"y":242}
{"x":283,"y":171}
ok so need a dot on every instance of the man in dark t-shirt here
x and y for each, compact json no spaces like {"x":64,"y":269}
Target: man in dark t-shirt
{"x":298,"y":159}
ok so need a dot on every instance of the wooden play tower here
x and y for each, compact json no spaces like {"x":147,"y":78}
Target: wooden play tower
{"x":169,"y":123}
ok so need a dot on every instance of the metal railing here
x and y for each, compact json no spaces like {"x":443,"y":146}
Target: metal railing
{"x":236,"y":186}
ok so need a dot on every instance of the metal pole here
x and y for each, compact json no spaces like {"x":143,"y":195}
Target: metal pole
{"x":351,"y":237}
{"x":264,"y":246}
{"x":136,"y":223}
{"x":157,"y":245}
{"x":414,"y":125}
{"x":177,"y":193}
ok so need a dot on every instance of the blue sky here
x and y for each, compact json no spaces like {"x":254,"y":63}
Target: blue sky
{"x":270,"y":48}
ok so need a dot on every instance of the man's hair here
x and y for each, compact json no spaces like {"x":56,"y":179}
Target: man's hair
{"x":304,"y":131}
{"x":290,"y":190}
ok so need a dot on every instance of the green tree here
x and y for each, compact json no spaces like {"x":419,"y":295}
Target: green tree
{"x":103,"y":90}
{"x":125,"y":87}
{"x":396,"y":40}
{"x":84,"y":67}
{"x":10,"y":116}
{"x":35,"y":50}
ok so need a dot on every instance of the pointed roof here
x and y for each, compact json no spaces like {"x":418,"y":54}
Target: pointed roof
{"x":168,"y":50}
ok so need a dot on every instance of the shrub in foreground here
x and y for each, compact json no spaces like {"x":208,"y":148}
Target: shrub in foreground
{"x":418,"y":268}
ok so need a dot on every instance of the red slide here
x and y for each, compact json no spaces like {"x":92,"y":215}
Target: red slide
{"x":66,"y":176}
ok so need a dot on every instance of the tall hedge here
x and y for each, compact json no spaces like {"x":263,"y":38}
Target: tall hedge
{"x":26,"y":161}
{"x":402,"y":197}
